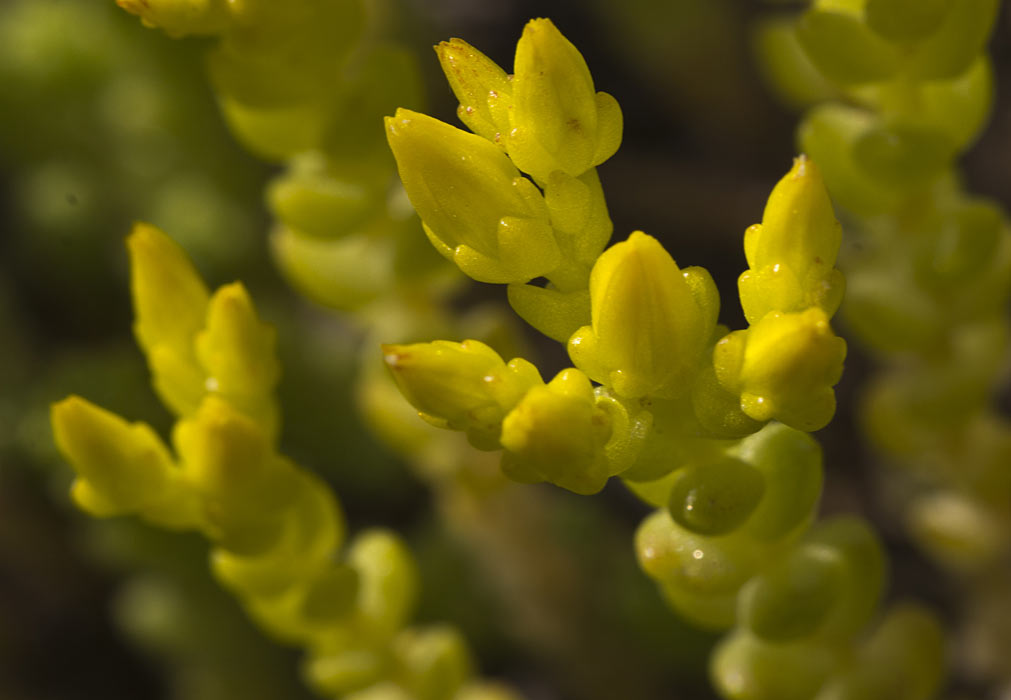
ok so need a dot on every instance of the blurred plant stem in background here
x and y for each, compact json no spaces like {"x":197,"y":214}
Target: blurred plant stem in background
{"x":888,"y":113}
{"x":105,"y":122}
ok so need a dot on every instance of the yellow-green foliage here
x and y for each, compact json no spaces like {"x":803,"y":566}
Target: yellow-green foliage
{"x":676,"y":393}
{"x":930,"y":274}
{"x":650,"y":340}
{"x":277,"y":531}
{"x":894,"y":92}
{"x":708,"y":426}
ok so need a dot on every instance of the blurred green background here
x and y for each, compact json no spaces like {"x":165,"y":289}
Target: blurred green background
{"x":104,"y":122}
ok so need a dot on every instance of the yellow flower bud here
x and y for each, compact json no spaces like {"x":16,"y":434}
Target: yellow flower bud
{"x":792,"y":252}
{"x":461,"y":386}
{"x":222,"y":452}
{"x":558,"y":121}
{"x":784,"y":367}
{"x":557,"y":433}
{"x":650,"y":321}
{"x":122,"y":468}
{"x":237,"y":352}
{"x":477,"y":209}
{"x":228,"y":461}
{"x":180,"y":17}
{"x":482,"y":88}
{"x":170,"y":304}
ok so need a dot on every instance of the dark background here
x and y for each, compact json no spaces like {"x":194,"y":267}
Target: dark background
{"x":704,"y":143}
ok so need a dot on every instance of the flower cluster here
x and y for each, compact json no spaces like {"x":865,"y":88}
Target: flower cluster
{"x":277,"y":531}
{"x":709,"y":426}
{"x":659,"y":394}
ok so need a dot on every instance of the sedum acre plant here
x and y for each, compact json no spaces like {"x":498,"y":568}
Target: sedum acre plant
{"x":277,"y":530}
{"x":930,"y":268}
{"x":709,"y":428}
{"x":660,"y":394}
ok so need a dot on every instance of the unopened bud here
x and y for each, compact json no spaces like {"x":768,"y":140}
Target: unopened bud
{"x":650,"y":321}
{"x":792,"y":253}
{"x":477,"y":209}
{"x":558,"y":122}
{"x":461,"y":386}
{"x":557,"y":433}
{"x":784,"y":367}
